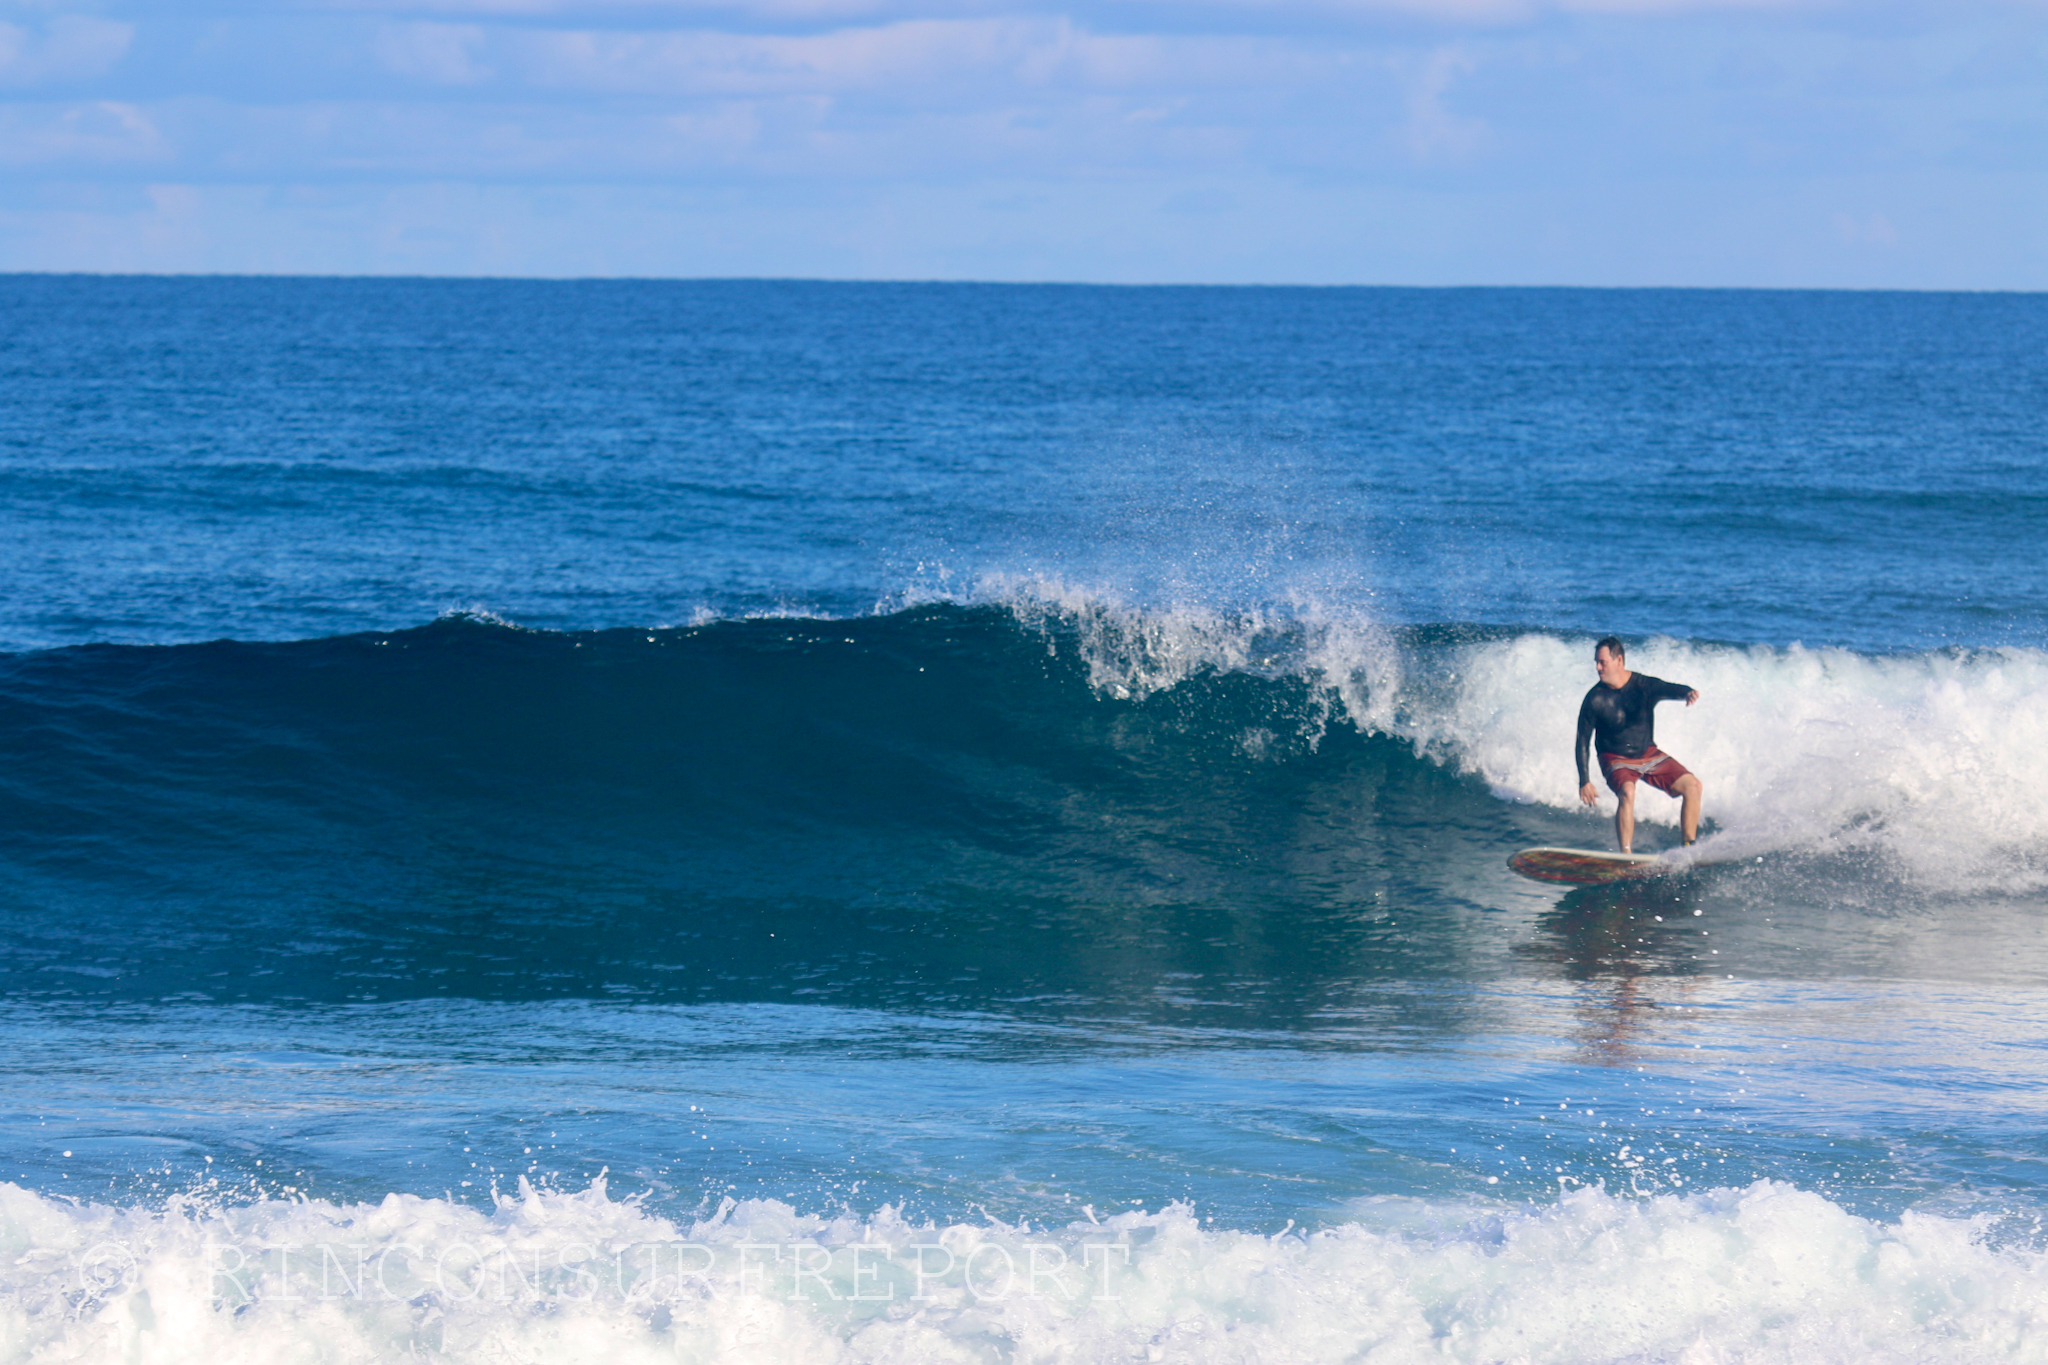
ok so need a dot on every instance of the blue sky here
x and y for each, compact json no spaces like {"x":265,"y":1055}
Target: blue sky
{"x":1604,"y":142}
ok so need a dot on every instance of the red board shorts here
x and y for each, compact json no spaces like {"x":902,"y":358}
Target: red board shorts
{"x":1655,"y":767}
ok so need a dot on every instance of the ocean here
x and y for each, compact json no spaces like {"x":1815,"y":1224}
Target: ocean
{"x":752,"y":821}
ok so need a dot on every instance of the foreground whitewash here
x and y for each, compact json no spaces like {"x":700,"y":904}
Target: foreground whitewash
{"x":1764,"y":1274}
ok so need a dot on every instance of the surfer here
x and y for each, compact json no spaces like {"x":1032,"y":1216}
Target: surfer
{"x":1618,"y":714}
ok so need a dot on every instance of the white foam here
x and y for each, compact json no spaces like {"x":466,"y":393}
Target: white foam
{"x":1765,"y":1274}
{"x":1928,"y":759}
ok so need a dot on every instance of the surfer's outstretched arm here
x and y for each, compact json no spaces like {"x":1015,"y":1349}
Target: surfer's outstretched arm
{"x":1660,"y":690}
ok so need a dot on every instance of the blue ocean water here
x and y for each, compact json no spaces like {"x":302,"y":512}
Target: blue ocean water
{"x":775,"y":821}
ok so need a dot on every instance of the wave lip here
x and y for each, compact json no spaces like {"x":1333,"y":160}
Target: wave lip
{"x":1764,"y":1274}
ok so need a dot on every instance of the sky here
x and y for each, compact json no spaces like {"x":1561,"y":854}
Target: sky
{"x":1774,"y":143}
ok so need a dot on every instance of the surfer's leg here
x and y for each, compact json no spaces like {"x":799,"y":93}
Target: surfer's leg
{"x":1687,"y":789}
{"x":1625,"y":816}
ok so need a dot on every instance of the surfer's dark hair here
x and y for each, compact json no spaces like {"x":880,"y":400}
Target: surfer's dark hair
{"x":1613,"y":645}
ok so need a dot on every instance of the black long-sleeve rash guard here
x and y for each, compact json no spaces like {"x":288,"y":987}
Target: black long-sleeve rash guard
{"x":1623,"y":716}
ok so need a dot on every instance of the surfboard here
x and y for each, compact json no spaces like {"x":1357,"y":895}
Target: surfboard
{"x":1585,"y":866}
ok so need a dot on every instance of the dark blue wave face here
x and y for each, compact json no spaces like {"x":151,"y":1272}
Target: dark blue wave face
{"x":926,"y":808}
{"x":278,"y":459}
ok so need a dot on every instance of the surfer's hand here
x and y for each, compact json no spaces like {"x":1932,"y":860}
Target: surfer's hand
{"x":1589,"y":794}
{"x":1692,"y":696}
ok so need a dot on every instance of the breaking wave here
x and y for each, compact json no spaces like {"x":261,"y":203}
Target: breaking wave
{"x":1769,"y":1273}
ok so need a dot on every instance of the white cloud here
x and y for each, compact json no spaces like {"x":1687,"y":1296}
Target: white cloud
{"x":1677,"y":6}
{"x":723,"y":134}
{"x":915,"y":60}
{"x":1431,"y":131}
{"x":894,"y":55}
{"x":784,"y":138}
{"x":1875,"y":230}
{"x":442,"y":53}
{"x":1456,"y":13}
{"x":1493,"y":12}
{"x":780,"y":11}
{"x":95,"y":133}
{"x":66,"y":47}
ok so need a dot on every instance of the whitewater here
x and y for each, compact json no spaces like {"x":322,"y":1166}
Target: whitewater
{"x":764,"y":821}
{"x":1770,"y":1273}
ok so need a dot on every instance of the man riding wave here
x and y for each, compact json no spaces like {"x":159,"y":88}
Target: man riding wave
{"x":1617,"y":719}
